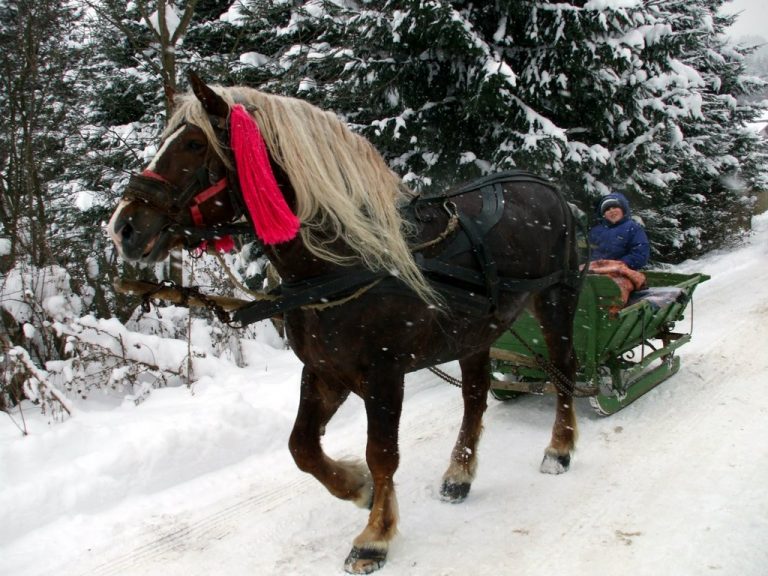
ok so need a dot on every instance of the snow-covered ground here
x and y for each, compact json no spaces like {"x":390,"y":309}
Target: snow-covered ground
{"x":200,"y":482}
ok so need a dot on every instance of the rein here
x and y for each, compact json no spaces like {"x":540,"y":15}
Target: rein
{"x":563,"y":384}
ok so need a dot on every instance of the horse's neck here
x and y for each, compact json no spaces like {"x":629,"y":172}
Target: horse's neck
{"x":294,"y":262}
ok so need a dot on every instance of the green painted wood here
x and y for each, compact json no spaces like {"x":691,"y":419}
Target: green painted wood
{"x":607,"y":404}
{"x":602,"y":339}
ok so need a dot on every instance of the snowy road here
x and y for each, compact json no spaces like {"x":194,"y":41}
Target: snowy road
{"x":204,"y":484}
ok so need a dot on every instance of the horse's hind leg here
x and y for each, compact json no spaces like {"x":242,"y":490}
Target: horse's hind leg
{"x":318,"y":403}
{"x":475,"y":381}
{"x":555,"y":308}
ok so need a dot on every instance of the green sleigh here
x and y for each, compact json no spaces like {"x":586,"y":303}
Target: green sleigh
{"x":621,"y":355}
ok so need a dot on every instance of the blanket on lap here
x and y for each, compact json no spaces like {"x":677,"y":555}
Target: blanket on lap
{"x":626,"y":279}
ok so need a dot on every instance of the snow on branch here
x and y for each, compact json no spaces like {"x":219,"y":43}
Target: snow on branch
{"x":539,"y":126}
{"x":36,"y":384}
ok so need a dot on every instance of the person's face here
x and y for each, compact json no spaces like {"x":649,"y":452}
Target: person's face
{"x":613,"y":214}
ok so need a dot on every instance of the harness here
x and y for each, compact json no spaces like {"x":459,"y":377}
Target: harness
{"x":474,"y":230}
{"x":465,"y":289}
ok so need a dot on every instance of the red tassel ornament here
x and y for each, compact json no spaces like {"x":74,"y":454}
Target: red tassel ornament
{"x":270,"y":214}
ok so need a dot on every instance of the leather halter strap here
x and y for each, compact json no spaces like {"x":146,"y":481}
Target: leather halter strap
{"x":168,"y":198}
{"x":210,"y":192}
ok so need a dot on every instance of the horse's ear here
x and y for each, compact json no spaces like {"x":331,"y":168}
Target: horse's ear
{"x":212,"y":102}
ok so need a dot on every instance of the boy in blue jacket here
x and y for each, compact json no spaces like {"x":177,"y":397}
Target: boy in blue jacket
{"x":616,"y":236}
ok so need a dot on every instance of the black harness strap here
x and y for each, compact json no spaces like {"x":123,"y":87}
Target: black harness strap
{"x":464,"y":289}
{"x":472,"y":239}
{"x":475,"y":230}
{"x":157,"y":193}
{"x":516,"y":176}
{"x":437,"y":268}
{"x":295,"y":295}
{"x":321,"y":289}
{"x":478,"y":226}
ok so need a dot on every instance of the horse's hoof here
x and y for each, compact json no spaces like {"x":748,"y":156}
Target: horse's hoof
{"x":454,"y":492}
{"x":555,"y":463}
{"x":365,"y":560}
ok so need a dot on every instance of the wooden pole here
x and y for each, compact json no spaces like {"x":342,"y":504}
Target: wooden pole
{"x":174,"y":295}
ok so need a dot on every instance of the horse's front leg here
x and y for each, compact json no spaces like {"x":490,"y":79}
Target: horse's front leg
{"x":320,"y":398}
{"x":475,"y":381}
{"x":383,"y":396}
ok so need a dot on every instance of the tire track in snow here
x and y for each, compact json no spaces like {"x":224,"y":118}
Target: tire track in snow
{"x":197,"y":533}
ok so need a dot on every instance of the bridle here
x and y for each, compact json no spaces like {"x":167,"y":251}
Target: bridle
{"x":164,"y":196}
{"x":174,"y":202}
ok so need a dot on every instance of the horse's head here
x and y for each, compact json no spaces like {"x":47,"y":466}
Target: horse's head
{"x":185,"y":186}
{"x":298,"y":172}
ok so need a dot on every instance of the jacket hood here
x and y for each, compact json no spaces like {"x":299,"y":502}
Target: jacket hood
{"x":620,"y":198}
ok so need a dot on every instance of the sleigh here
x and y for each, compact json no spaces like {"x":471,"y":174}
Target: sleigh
{"x":622,"y":352}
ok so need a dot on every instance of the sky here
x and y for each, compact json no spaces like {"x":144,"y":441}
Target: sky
{"x":753,"y":20}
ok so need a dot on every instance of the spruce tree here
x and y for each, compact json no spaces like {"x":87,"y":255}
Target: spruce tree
{"x":637,"y":97}
{"x":718,"y":160}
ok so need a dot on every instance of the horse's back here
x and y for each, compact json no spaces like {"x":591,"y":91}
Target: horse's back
{"x":519,"y":218}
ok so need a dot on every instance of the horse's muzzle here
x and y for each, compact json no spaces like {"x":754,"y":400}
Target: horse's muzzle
{"x":139,"y":232}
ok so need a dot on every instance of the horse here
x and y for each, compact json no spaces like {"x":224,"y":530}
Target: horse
{"x":376,"y":280}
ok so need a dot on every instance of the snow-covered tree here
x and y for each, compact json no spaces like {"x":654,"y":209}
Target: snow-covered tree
{"x":40,"y":54}
{"x":756,"y":61}
{"x":716,"y":161}
{"x":637,"y":96}
{"x":37,"y":92}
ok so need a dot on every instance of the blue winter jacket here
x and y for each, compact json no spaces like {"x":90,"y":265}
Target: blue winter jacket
{"x":625,"y":240}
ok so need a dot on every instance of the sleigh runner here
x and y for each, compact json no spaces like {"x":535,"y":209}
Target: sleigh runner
{"x":622,"y":352}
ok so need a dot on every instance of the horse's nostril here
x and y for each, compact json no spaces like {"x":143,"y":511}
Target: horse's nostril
{"x":126,"y":232}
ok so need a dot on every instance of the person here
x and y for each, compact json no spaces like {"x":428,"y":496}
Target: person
{"x":617,"y":236}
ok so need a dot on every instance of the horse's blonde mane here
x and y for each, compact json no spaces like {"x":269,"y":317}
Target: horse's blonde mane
{"x":344,"y":189}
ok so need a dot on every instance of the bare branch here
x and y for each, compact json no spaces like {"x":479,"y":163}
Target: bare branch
{"x":185,"y":20}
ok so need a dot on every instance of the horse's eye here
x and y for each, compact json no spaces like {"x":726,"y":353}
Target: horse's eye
{"x":195,"y":145}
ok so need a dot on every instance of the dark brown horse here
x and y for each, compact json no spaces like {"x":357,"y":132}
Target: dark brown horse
{"x":377,"y":283}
